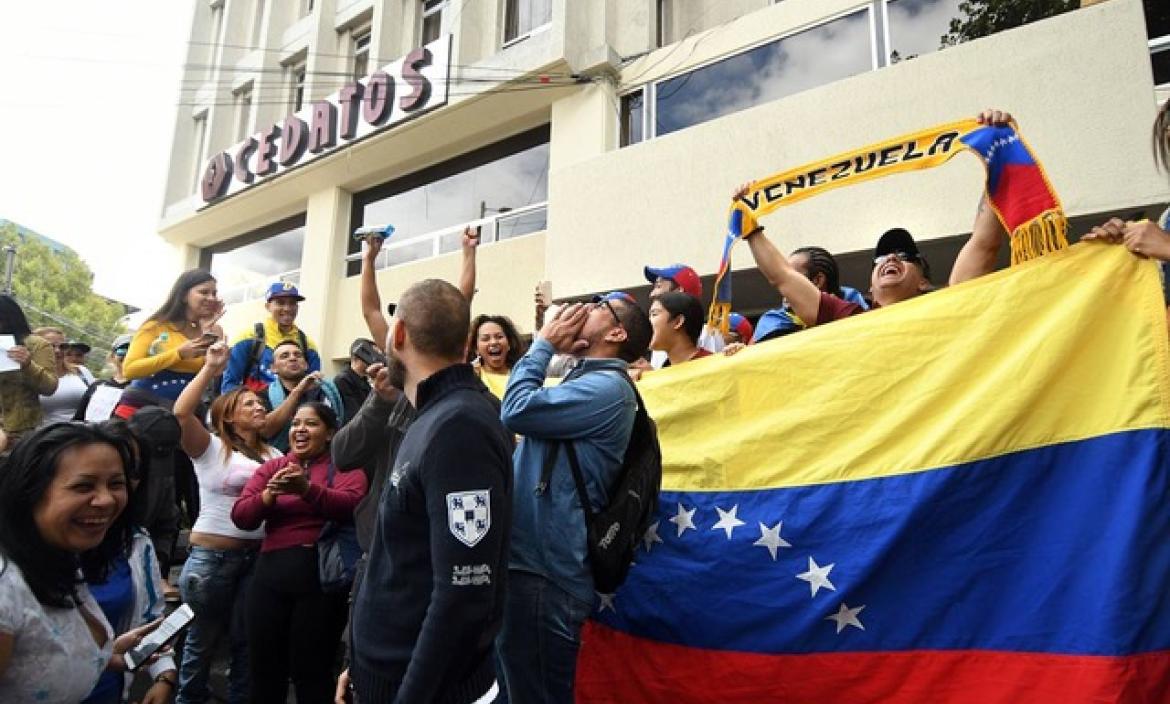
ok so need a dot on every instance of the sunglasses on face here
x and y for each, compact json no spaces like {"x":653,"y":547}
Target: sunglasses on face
{"x":604,"y":302}
{"x":901,"y":256}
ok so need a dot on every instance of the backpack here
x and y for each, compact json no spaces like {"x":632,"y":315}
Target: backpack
{"x":259,"y":342}
{"x":613,"y":533}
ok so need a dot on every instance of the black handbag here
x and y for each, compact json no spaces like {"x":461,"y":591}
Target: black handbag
{"x":337,"y":551}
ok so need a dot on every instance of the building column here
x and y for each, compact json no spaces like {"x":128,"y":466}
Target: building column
{"x":322,"y":266}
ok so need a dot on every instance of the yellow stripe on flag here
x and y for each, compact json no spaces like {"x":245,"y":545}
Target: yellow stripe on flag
{"x":1046,"y":352}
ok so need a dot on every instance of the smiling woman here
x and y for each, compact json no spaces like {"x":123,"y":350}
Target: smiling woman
{"x":294,"y":497}
{"x":62,"y":498}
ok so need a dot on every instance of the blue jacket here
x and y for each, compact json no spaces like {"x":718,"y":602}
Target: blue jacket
{"x":237,"y":371}
{"x":594,"y":407}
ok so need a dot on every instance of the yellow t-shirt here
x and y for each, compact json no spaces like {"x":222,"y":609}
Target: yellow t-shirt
{"x":142,"y":362}
{"x":496,"y":383}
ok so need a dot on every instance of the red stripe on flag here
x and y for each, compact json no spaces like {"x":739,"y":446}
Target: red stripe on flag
{"x":1022,"y":194}
{"x":621,"y":669}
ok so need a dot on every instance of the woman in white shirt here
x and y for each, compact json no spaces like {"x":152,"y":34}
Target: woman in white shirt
{"x":72,"y":381}
{"x":221,"y":555}
{"x":62,"y":498}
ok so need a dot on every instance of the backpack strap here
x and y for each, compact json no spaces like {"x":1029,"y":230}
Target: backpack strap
{"x":258,"y":344}
{"x":579,"y":480}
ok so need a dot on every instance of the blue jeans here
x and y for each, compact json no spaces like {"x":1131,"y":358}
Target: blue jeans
{"x":213,"y":583}
{"x":539,"y":640}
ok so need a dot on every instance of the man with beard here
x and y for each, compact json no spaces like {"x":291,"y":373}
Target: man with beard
{"x":295,"y":383}
{"x":550,"y":586}
{"x":426,"y":614}
{"x":251,"y":358}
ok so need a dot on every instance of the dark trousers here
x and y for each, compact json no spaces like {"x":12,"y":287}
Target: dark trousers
{"x":293,"y":628}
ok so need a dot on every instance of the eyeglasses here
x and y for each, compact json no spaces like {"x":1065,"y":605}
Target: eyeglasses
{"x":901,"y":256}
{"x":609,"y":307}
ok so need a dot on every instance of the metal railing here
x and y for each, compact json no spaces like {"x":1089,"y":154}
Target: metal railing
{"x":494,"y":228}
{"x":1160,"y":45}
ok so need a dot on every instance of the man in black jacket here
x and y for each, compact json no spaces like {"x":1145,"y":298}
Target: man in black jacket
{"x":351,"y":382}
{"x":429,"y":608}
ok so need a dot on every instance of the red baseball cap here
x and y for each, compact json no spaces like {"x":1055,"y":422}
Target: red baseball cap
{"x":682,"y":275}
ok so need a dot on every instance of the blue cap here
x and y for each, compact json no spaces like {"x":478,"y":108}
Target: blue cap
{"x":775,"y":323}
{"x":615,"y":296}
{"x":283,"y":289}
{"x":685,"y":277}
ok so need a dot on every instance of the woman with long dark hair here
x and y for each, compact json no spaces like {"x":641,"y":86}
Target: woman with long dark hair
{"x":63,"y":494}
{"x":20,"y":405}
{"x":168,"y":349}
{"x":221,"y":555}
{"x":294,"y":626}
{"x":494,"y":349}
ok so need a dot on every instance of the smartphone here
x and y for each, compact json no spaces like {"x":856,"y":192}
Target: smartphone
{"x":369,"y":354}
{"x":209,"y":337}
{"x":164,"y":635}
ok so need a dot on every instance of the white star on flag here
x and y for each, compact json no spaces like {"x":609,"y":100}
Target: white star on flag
{"x":684,"y":519}
{"x":846,"y":616}
{"x":727,"y":520}
{"x":651,"y":536}
{"x":817,"y":576}
{"x":607,"y":603}
{"x":770,"y":538}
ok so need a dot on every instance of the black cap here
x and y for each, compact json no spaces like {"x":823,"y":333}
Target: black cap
{"x":78,"y":345}
{"x":899,"y":240}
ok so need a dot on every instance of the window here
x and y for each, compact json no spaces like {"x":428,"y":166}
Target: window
{"x":243,"y":112}
{"x":662,"y":23}
{"x":244,"y":266}
{"x":296,"y":86}
{"x":916,"y":27}
{"x":308,"y":8}
{"x":502,"y":180}
{"x":1158,"y":30}
{"x":257,"y":24}
{"x":361,"y":53}
{"x":523,"y":16}
{"x":216,"y":35}
{"x":432,"y":20}
{"x":633,"y":116}
{"x":837,"y":49}
{"x":200,"y":142}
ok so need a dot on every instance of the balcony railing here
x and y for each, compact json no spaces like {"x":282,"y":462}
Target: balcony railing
{"x":494,"y":228}
{"x":1160,"y":58}
{"x":256,"y":288}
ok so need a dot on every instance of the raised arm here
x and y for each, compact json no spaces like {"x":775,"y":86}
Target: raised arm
{"x":979,"y":254}
{"x":467,"y":273}
{"x":358,"y":441}
{"x":370,"y":300}
{"x":195,"y":437}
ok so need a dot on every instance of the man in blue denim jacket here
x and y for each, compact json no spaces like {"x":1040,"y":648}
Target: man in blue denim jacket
{"x":550,"y":587}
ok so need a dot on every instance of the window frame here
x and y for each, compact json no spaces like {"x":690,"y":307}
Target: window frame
{"x":357,"y":36}
{"x":297,"y":77}
{"x":244,"y":105}
{"x":200,"y":151}
{"x":650,"y":88}
{"x":430,"y":8}
{"x":506,"y":42}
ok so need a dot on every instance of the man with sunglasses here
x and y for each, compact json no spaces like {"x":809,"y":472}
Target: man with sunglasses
{"x":550,"y":586}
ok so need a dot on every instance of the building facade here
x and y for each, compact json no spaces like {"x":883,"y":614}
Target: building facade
{"x":589,"y":138}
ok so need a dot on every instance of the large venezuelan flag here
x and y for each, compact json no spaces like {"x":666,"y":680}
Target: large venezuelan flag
{"x":961,"y":498}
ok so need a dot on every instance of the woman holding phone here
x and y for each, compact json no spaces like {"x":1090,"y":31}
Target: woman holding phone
{"x":294,"y":627}
{"x":221,"y":555}
{"x":63,"y":495}
{"x":168,"y":349}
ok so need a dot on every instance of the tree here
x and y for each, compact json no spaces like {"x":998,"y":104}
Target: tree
{"x":55,"y":288}
{"x":985,"y":17}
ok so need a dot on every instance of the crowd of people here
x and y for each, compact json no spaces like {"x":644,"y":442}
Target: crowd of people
{"x":423,"y":512}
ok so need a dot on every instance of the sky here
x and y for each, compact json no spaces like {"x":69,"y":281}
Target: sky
{"x":88,"y":94}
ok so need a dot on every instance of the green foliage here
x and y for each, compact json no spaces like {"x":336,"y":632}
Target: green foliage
{"x":56,"y":289}
{"x":984,"y":17}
